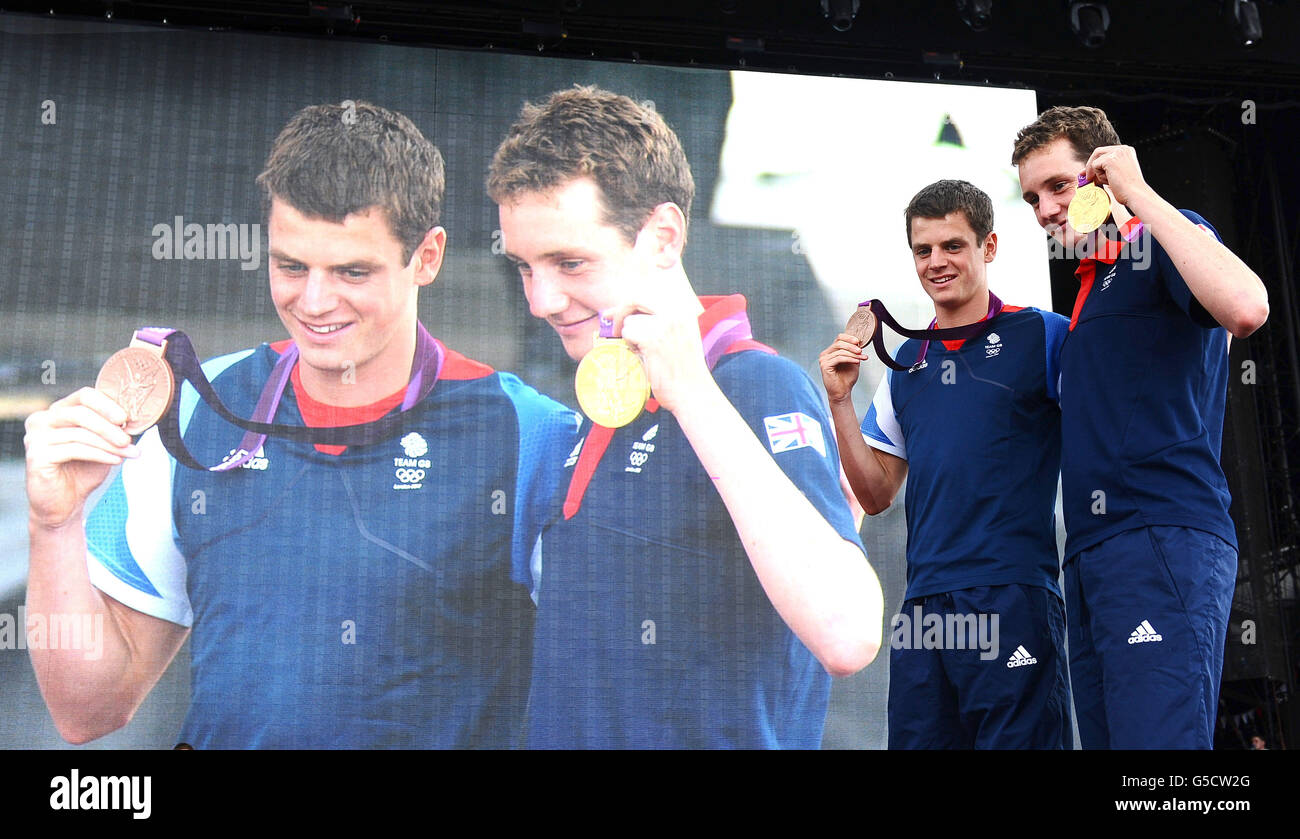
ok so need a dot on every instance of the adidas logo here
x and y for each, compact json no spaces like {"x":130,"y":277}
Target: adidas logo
{"x":1144,"y":632}
{"x":573,"y":455}
{"x":1021,"y":658}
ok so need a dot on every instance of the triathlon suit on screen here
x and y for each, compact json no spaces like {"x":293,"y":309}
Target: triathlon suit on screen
{"x":344,"y":599}
{"x":652,"y":628}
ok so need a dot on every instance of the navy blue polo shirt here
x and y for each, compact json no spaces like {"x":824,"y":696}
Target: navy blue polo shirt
{"x":362,"y":600}
{"x":979,"y":426}
{"x":1144,"y":374}
{"x":653,"y":630}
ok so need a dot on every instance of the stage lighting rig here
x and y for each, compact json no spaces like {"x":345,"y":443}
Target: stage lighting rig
{"x":1245,"y":17}
{"x":841,"y":13}
{"x":977,"y":14}
{"x":1089,"y":22}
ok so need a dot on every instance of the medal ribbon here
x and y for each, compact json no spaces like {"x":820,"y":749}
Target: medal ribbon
{"x":948,"y":333}
{"x":426,"y":367}
{"x":1130,"y":226}
{"x":730,"y":333}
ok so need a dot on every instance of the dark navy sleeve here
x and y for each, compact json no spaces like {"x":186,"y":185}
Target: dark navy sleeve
{"x":1174,"y":281}
{"x":547,"y":431}
{"x":1056,"y":327}
{"x":785,"y":411}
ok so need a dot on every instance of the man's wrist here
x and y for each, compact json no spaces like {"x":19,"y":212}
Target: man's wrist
{"x":38,"y":525}
{"x":840,"y":403}
{"x":1144,"y":201}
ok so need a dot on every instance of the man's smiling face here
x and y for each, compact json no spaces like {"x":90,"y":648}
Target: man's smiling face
{"x":1048,"y":178}
{"x":573,"y":264}
{"x":949,"y":261}
{"x":343,"y":292}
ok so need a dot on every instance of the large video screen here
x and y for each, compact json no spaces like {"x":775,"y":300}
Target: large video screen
{"x":131,"y":200}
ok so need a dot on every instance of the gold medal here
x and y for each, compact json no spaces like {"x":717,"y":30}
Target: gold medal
{"x":611,"y":383}
{"x":862,"y":324}
{"x":141,"y":381}
{"x":1089,"y":208}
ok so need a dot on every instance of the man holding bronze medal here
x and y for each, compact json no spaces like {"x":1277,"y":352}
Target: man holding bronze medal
{"x":705,"y":572}
{"x":345,"y":568}
{"x":1151,"y":557}
{"x":968,"y":414}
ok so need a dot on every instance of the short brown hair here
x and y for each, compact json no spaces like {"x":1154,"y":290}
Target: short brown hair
{"x":330,"y":161}
{"x":1086,"y":128}
{"x":943,"y":197}
{"x":625,"y":147}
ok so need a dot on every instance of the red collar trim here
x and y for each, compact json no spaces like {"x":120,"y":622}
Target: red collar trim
{"x":953,"y":346}
{"x":719,"y":307}
{"x":597,"y":441}
{"x":1109,"y":250}
{"x":317,"y":414}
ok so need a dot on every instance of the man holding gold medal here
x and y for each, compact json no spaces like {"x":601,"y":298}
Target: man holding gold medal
{"x":705,"y":572}
{"x":1151,"y":557}
{"x":344,"y":572}
{"x":968,"y":413}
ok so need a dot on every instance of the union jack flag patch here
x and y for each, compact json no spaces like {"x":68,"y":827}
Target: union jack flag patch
{"x":787,"y":432}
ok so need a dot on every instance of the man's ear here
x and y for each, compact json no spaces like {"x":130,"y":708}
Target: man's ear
{"x":427,"y":259}
{"x":990,"y":246}
{"x":666,"y":228}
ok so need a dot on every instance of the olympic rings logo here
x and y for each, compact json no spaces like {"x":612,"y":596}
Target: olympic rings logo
{"x":410,"y":476}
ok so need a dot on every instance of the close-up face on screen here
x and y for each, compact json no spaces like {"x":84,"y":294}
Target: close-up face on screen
{"x":137,"y":203}
{"x":366,"y":396}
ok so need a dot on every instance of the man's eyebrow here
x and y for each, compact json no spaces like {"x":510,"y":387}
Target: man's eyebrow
{"x":953,"y":240}
{"x":366,"y":264}
{"x":1044,"y":183}
{"x":559,"y":254}
{"x":1060,"y":176}
{"x":566,"y":253}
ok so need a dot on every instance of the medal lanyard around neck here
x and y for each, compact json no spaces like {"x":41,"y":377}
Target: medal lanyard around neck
{"x":426,"y":367}
{"x":724,"y":334}
{"x":948,"y":333}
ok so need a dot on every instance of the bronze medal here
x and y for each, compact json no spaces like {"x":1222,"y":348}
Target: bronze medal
{"x":1089,"y":208}
{"x":862,"y":324}
{"x":141,"y":382}
{"x":611,"y":383}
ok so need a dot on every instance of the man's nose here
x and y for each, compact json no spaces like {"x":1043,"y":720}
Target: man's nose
{"x":1048,"y":208}
{"x":317,"y":293}
{"x":545,"y":297}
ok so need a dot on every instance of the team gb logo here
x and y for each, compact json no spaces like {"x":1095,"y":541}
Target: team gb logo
{"x":414,"y":446}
